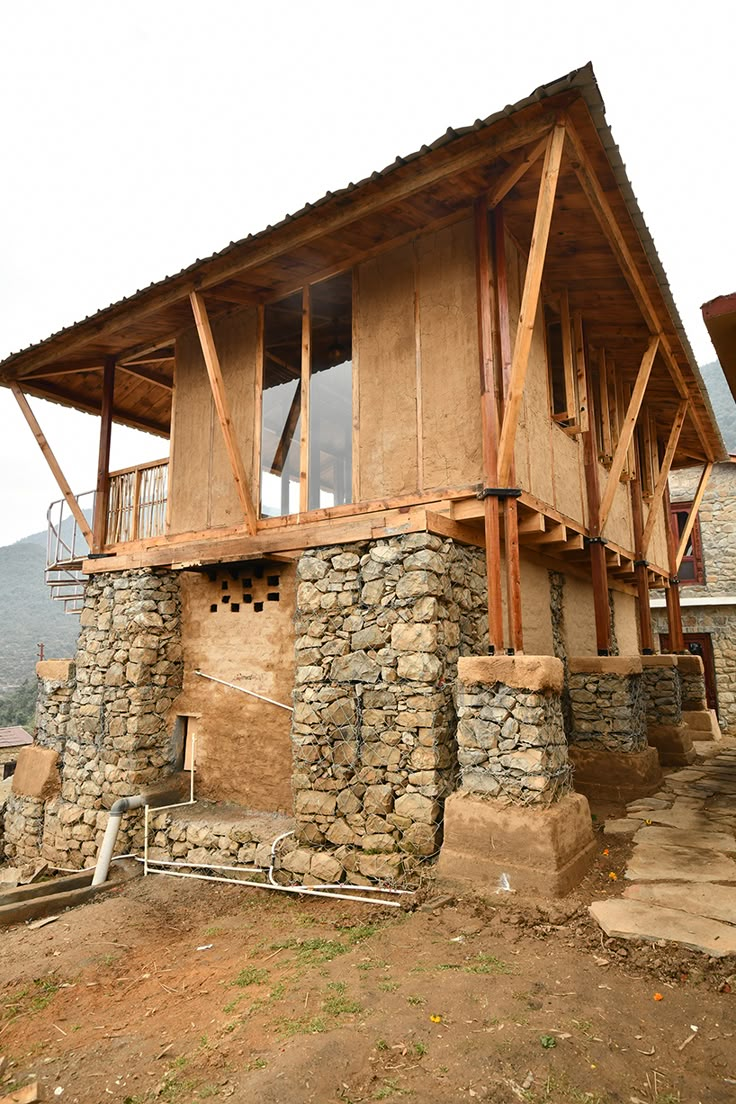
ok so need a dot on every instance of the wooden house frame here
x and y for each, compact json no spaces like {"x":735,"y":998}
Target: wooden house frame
{"x":520,"y":381}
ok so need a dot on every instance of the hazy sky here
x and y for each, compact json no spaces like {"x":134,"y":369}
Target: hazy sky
{"x":139,"y":135}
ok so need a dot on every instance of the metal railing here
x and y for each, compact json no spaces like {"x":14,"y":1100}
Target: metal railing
{"x":137,"y":501}
{"x":66,"y":547}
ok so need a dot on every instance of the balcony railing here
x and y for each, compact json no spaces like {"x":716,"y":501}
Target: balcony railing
{"x":136,"y":508}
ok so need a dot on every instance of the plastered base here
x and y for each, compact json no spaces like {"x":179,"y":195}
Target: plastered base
{"x":615,"y":775}
{"x":545,"y":851}
{"x":674,"y":744}
{"x":702,"y":724}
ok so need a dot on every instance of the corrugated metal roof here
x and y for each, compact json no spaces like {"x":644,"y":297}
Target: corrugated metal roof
{"x":14,"y":737}
{"x":581,"y":80}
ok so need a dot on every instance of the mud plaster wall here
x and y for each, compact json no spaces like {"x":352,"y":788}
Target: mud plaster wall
{"x":578,"y":617}
{"x":535,"y":609}
{"x":202,"y":493}
{"x":243,"y":746}
{"x":626,"y":622}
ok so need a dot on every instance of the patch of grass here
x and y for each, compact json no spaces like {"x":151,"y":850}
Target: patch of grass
{"x":389,"y":1088}
{"x":251,"y":975}
{"x":303,"y":1025}
{"x":487,"y":964}
{"x":278,"y":992}
{"x":381,"y":1045}
{"x":420,"y":1049}
{"x":213,"y":931}
{"x":256,"y":1064}
{"x":389,"y":986}
{"x":31,"y":998}
{"x":415,"y":1000}
{"x":340,"y":1005}
{"x":313,"y":952}
{"x":337,"y":986}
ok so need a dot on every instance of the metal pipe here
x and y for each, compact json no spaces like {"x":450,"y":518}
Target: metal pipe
{"x":242,"y":690}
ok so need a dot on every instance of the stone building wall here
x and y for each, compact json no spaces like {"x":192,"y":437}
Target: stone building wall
{"x":717,"y":518}
{"x":380,"y":627}
{"x":105,"y":716}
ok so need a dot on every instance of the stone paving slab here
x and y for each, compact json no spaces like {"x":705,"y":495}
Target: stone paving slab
{"x":623,"y":826}
{"x":665,"y":863}
{"x":641,"y":921}
{"x":722,"y":842}
{"x":687,"y":820}
{"x":714,"y":901}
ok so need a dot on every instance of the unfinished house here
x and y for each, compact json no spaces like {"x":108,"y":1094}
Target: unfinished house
{"x":415,"y":502}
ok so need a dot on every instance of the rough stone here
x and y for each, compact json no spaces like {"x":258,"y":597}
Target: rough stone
{"x":638,"y":920}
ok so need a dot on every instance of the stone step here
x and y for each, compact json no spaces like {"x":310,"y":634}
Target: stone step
{"x":637,"y":920}
{"x":720,"y":842}
{"x":687,"y":820}
{"x":667,"y":863}
{"x":714,"y":901}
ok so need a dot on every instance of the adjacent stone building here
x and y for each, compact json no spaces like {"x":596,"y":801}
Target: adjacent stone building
{"x":708,"y":585}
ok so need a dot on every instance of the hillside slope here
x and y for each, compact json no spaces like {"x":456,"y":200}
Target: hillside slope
{"x":28,"y":614}
{"x":724,"y":406}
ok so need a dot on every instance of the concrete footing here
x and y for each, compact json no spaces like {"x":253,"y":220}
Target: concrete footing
{"x":539,"y":850}
{"x":674,"y":744}
{"x":615,"y":775}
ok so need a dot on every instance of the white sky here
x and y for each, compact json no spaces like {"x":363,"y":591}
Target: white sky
{"x":140,"y":134}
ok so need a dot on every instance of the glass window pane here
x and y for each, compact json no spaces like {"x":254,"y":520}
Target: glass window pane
{"x":331,"y":393}
{"x":281,"y":419}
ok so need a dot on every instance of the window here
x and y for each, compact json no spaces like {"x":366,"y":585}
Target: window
{"x":308,"y":343}
{"x":281,"y":418}
{"x":691,"y":570}
{"x":566,"y":355}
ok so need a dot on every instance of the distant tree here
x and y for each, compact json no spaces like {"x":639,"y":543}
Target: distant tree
{"x":18,"y":706}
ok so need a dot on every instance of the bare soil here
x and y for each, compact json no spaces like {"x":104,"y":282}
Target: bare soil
{"x":179,"y":991}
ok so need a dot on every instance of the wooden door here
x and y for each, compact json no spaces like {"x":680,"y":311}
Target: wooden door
{"x":702,"y":645}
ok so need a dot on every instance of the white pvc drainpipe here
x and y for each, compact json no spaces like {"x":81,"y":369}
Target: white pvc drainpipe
{"x":242,"y":690}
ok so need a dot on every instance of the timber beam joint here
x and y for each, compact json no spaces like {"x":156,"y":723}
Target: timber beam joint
{"x":499,"y":492}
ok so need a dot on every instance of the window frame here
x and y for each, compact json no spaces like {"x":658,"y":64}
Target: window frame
{"x":696,"y":541}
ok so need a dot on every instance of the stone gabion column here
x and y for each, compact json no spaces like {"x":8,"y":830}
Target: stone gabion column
{"x":117,"y":741}
{"x":608,"y":728}
{"x":514,"y":823}
{"x":380,"y":627}
{"x":511,"y":739}
{"x":663,"y":697}
{"x":691,"y":674}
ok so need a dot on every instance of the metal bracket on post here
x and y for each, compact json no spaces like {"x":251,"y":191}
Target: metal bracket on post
{"x":641,"y":563}
{"x":596,"y":540}
{"x":674,"y":580}
{"x":499,"y":492}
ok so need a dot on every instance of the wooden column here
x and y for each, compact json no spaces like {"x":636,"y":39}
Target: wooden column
{"x":510,"y":511}
{"x":672,"y":594}
{"x":646,"y":633}
{"x":102,"y":487}
{"x":305,"y":402}
{"x":489,"y":428}
{"x":598,"y":566}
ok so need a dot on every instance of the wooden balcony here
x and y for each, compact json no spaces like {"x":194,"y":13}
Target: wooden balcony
{"x":137,"y":500}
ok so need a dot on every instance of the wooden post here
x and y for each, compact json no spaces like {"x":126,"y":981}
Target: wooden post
{"x":598,"y":565}
{"x":686,"y":532}
{"x":217,"y":386}
{"x":102,"y":489}
{"x":489,"y":428}
{"x":660,"y":490}
{"x":627,"y":429}
{"x":52,"y":462}
{"x":672,"y":594}
{"x":530,"y":299}
{"x":646,"y":633}
{"x":305,"y":390}
{"x":510,"y":511}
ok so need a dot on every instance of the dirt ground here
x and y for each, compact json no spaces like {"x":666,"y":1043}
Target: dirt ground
{"x":179,"y":991}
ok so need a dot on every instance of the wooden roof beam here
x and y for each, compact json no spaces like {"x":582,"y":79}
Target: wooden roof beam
{"x":66,"y":368}
{"x":592,"y":188}
{"x":148,"y":374}
{"x":664,"y":471}
{"x":692,"y":515}
{"x":53,"y":464}
{"x":627,"y":430}
{"x":530,"y":300}
{"x":513,"y":174}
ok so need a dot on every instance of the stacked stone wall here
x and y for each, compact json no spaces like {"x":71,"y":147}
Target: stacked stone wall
{"x":663,"y":693}
{"x":380,"y":627}
{"x":106,"y":717}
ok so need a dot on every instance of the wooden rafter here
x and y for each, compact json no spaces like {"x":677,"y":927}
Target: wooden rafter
{"x":148,"y":374}
{"x":627,"y":429}
{"x":530,"y":299}
{"x":217,"y":386}
{"x":603,"y":211}
{"x":664,"y":471}
{"x":513,"y":174}
{"x":692,"y":515}
{"x":53,"y":463}
{"x":66,"y":368}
